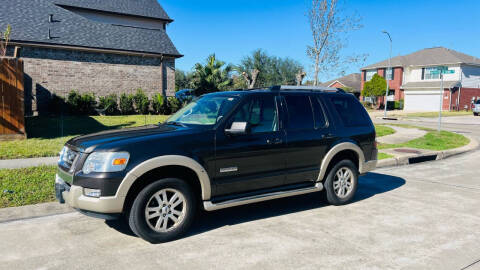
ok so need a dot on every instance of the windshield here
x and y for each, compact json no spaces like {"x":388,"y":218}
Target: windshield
{"x":207,"y":110}
{"x":478,"y":101}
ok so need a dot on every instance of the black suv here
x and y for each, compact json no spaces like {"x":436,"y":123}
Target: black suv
{"x":223,"y":149}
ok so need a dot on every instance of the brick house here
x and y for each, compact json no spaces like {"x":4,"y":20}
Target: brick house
{"x":108,"y":46}
{"x":414,"y":81}
{"x":351,"y":82}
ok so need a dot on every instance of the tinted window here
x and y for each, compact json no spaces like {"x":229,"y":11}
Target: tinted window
{"x":318,"y":113}
{"x":300,"y":114}
{"x":260,"y":113}
{"x":350,"y":111}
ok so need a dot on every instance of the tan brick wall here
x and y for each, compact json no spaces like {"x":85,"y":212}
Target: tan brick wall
{"x":49,"y":71}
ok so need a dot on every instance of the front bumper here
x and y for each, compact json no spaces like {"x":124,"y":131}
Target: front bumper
{"x":74,"y":197}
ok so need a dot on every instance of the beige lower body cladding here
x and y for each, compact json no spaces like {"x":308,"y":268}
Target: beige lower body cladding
{"x":59,"y":71}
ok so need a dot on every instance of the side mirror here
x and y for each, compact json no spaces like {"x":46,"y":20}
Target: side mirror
{"x":237,"y":128}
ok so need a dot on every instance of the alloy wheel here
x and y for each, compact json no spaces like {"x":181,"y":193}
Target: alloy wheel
{"x":343,"y":182}
{"x":165,"y":210}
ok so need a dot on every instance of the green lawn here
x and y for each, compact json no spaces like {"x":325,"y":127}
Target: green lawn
{"x":27,"y":186}
{"x":433,"y":140}
{"x":383,"y":130}
{"x":45,"y":136}
{"x":381,"y":156}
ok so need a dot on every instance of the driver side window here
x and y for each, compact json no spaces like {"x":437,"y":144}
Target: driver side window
{"x":260,"y":113}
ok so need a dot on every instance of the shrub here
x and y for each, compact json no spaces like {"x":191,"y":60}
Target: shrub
{"x":81,"y":104}
{"x":174,"y":104}
{"x":142,"y":104}
{"x":109,"y":104}
{"x":399,"y":105}
{"x":126,"y":104}
{"x":159,"y":105}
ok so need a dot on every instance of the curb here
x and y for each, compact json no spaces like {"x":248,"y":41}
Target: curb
{"x":429,"y":156}
{"x":11,"y":214}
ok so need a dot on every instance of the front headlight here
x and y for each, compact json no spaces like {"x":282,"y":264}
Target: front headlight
{"x":106,"y":162}
{"x":62,"y":154}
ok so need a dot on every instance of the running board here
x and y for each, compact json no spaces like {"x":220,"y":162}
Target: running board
{"x":209,"y":206}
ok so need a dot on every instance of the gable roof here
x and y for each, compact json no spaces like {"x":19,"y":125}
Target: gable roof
{"x":143,"y":8}
{"x":30,"y":25}
{"x":428,"y":57}
{"x":351,"y":80}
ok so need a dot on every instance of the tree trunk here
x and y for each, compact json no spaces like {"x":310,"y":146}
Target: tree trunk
{"x":251,"y":80}
{"x":317,"y":70}
{"x":255,"y":73}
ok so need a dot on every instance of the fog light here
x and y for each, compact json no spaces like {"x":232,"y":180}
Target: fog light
{"x":91,"y":192}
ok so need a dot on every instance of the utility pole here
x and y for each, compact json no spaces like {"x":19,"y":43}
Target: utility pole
{"x":386,"y":74}
{"x":441,"y":102}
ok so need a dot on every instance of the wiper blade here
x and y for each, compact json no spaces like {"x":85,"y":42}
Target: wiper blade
{"x":176,"y":123}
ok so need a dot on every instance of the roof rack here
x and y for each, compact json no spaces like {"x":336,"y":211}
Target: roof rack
{"x":305,"y":88}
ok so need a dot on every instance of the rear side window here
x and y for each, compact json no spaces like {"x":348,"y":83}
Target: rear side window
{"x":350,"y":111}
{"x":300,"y":113}
{"x":318,"y":113}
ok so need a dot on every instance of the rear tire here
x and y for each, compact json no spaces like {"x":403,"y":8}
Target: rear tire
{"x":163,"y":211}
{"x":475,"y":114}
{"x":341,"y":183}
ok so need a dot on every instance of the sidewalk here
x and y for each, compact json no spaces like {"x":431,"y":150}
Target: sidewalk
{"x":401,"y":135}
{"x":27,"y":162}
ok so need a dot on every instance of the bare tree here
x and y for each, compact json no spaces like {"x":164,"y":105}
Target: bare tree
{"x":4,"y":39}
{"x":299,"y":77}
{"x":329,"y":27}
{"x":251,"y":79}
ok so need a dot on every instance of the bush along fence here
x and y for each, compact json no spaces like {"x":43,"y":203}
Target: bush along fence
{"x":125,"y":104}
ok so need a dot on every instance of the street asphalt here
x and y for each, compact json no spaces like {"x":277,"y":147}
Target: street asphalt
{"x":421,"y":216}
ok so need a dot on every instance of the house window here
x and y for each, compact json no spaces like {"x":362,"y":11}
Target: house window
{"x":390,"y":74}
{"x":369,"y":74}
{"x":429,"y":75}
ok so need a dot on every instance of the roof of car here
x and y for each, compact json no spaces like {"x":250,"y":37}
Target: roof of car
{"x":266,"y":90}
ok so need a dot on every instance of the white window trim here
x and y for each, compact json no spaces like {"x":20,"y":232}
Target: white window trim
{"x":372,"y":71}
{"x":427,"y":72}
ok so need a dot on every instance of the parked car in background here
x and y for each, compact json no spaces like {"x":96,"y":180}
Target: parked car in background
{"x":222,"y":150}
{"x":185,"y":95}
{"x":476,"y":108}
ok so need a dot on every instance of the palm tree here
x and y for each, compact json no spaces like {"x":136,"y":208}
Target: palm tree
{"x":212,"y":77}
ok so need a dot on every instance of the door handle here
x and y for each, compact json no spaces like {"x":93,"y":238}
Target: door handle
{"x":274,"y":141}
{"x":327,"y":136}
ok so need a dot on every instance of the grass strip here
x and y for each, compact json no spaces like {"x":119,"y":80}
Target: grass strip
{"x":27,"y":186}
{"x":382,"y":130}
{"x":433,"y":140}
{"x":45,"y":135}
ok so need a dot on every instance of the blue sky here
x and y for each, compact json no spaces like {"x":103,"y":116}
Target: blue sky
{"x":233,"y":29}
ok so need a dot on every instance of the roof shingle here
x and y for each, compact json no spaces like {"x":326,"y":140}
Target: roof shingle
{"x":428,"y":57}
{"x":144,"y":8}
{"x":29,"y":21}
{"x":351,"y":80}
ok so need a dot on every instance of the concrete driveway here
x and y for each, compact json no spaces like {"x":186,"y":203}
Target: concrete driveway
{"x":423,"y":216}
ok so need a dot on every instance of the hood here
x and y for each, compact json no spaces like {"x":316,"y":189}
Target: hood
{"x":86,"y":143}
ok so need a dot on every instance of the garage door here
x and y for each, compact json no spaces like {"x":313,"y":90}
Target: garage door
{"x":422,"y":101}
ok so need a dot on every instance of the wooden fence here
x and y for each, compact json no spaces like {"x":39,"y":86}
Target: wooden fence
{"x":12,"y":120}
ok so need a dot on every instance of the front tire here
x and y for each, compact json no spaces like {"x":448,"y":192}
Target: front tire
{"x":163,"y":211}
{"x":475,"y":114}
{"x":341,"y":183}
